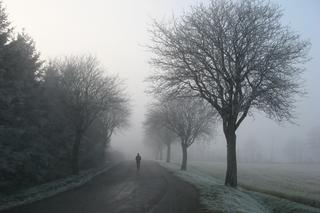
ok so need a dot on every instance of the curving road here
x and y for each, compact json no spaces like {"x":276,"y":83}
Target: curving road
{"x":123,"y":190}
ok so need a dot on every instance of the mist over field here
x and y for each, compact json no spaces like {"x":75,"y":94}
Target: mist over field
{"x":223,"y":94}
{"x":117,"y":31}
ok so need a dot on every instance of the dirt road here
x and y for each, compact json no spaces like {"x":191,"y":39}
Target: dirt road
{"x":123,"y":190}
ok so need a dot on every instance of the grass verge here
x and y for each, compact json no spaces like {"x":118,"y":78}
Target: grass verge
{"x":51,"y":188}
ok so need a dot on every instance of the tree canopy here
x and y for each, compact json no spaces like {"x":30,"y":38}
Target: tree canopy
{"x":236,"y":55}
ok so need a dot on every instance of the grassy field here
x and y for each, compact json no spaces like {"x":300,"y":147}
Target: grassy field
{"x":297,"y":182}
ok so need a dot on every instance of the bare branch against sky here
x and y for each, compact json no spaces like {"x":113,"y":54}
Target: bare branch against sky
{"x":115,"y":30}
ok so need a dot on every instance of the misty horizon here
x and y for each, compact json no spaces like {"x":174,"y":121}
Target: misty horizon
{"x":104,"y":33}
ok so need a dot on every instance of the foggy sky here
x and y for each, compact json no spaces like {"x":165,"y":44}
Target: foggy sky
{"x":116,"y":30}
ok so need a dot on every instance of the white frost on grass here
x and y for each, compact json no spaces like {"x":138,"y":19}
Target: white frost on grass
{"x":49,"y":189}
{"x":216,"y":197}
{"x":289,"y":180}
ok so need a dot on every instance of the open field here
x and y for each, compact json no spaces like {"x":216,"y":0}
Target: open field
{"x":297,"y":182}
{"x":216,"y":197}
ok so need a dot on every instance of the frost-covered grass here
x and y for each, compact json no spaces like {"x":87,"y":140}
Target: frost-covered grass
{"x":296,"y":182}
{"x":49,"y":189}
{"x":216,"y":197}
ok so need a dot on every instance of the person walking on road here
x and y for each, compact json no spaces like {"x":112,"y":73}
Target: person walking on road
{"x":138,"y":159}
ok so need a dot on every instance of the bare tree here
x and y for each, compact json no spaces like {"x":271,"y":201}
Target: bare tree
{"x":116,"y":115}
{"x":86,"y":94}
{"x":189,"y":119}
{"x":159,"y":133}
{"x":155,"y":143}
{"x":234,"y":54}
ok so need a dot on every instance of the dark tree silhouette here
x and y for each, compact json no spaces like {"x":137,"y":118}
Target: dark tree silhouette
{"x":237,"y":56}
{"x":86,"y":95}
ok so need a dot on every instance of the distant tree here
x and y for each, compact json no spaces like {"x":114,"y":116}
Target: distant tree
{"x":189,"y":119}
{"x":87,"y":93}
{"x":236,"y":55}
{"x":250,"y":151}
{"x":159,"y":133}
{"x":293,"y":150}
{"x":168,"y":138}
{"x":154,"y":144}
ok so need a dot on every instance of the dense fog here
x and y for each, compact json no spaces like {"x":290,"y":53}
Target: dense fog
{"x":159,"y":106}
{"x":117,"y":33}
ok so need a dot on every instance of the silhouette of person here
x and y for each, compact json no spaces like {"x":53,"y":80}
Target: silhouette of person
{"x":138,"y":159}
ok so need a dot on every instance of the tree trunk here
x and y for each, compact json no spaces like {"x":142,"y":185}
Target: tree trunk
{"x":231,"y":174}
{"x":184,"y":157}
{"x":168,"y":152}
{"x":75,"y":153}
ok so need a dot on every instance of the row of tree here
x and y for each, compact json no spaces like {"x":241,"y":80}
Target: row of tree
{"x":184,"y":119}
{"x":56,"y":117}
{"x":235,"y":55}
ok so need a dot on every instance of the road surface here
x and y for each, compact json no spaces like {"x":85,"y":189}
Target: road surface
{"x":123,"y":190}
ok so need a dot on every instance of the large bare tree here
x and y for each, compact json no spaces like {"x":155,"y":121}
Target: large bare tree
{"x":237,"y":55}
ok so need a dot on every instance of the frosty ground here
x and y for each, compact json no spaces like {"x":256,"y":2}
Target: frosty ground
{"x":298,"y":182}
{"x":98,"y":190}
{"x":50,"y":189}
{"x":214,"y":196}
